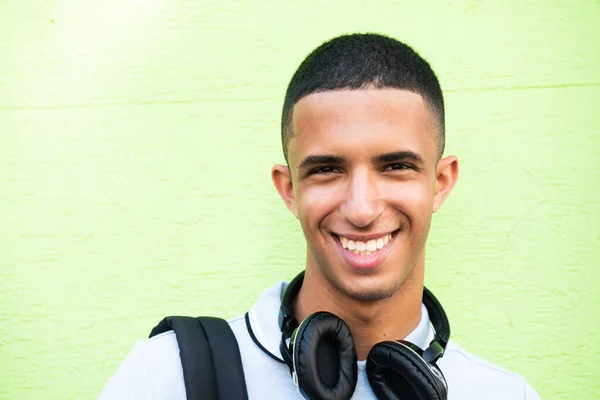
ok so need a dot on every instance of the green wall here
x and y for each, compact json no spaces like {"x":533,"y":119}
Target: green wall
{"x":136,"y":140}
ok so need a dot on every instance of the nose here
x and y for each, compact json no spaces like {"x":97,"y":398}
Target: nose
{"x":363,"y":204}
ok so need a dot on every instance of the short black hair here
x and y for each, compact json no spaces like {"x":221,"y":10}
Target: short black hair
{"x":358,"y":61}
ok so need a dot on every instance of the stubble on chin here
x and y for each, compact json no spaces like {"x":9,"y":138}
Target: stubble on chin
{"x":345,"y":288}
{"x":360,"y":294}
{"x":369,"y":295}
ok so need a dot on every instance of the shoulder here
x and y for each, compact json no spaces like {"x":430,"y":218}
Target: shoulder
{"x":472,"y":377}
{"x":152,"y":369}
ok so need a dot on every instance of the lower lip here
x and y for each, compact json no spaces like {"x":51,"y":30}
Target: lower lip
{"x":365,"y":263}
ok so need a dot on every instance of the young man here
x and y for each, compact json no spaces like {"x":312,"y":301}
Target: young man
{"x":363,"y":137}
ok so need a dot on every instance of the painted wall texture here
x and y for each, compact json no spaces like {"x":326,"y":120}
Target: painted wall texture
{"x":136,"y":141}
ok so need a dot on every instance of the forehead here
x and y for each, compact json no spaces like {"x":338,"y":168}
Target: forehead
{"x":355,"y":122}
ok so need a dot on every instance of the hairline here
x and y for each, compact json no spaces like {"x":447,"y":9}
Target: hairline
{"x":434,"y":121}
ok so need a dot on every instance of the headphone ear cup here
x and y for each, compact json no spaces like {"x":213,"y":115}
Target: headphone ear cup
{"x":395,"y":371}
{"x":324,"y":358}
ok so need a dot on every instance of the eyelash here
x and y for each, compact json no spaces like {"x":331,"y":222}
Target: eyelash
{"x":320,"y":170}
{"x":331,"y":169}
{"x":402,"y":165}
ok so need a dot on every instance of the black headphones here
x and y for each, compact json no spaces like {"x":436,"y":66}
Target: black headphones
{"x":323,"y":362}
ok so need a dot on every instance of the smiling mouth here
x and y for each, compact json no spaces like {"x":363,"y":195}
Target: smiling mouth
{"x":366,"y":247}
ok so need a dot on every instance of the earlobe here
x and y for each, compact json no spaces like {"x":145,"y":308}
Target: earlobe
{"x":282,"y":179}
{"x":446,"y":177}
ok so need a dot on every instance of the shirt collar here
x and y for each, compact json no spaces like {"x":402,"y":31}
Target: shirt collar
{"x":264,"y":327}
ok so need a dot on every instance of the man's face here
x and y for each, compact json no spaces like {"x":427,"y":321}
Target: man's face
{"x":363,"y":185}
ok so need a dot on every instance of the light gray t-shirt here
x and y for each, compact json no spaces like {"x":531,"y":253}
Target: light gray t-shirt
{"x":152,"y":371}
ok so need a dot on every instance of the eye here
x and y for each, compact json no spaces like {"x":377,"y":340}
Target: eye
{"x":397,"y":166}
{"x":325,"y":170}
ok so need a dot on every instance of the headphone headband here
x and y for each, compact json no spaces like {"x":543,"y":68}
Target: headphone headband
{"x":287,"y":322}
{"x":286,"y":311}
{"x":441,"y":326}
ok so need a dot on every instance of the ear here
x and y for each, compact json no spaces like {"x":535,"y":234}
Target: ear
{"x":446,"y":177}
{"x":282,"y":179}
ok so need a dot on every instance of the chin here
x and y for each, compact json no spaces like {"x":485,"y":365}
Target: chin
{"x":380,"y":283}
{"x":369,"y":296}
{"x":365,"y":289}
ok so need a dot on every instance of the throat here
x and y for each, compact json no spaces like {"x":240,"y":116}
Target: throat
{"x":389,"y":326}
{"x":391,"y":319}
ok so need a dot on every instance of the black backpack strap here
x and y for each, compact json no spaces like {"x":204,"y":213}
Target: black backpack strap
{"x":210,"y":357}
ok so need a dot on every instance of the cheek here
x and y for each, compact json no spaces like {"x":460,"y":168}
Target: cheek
{"x":414,"y":198}
{"x":314,"y":203}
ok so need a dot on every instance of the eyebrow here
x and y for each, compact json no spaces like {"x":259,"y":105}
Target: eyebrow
{"x":404,"y":155}
{"x":395,"y":156}
{"x":320,"y":159}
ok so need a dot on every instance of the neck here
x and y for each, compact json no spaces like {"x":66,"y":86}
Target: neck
{"x":370,"y":322}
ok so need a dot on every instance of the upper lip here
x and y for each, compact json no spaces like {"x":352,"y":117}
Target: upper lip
{"x":364,"y":238}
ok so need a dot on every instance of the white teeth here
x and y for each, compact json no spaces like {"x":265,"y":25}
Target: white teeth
{"x":365,"y":248}
{"x":344,"y":242}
